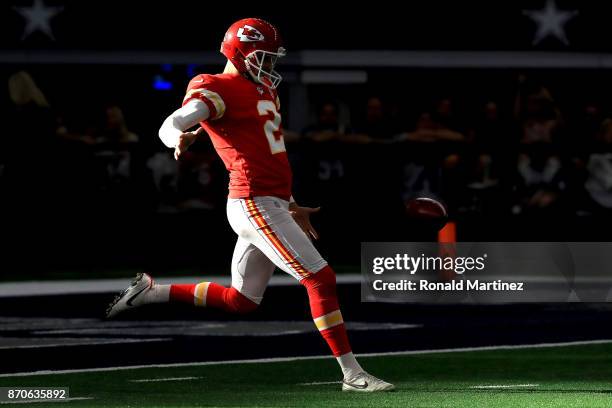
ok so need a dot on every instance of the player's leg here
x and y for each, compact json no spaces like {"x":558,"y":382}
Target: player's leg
{"x":267,"y":223}
{"x":251,"y":272}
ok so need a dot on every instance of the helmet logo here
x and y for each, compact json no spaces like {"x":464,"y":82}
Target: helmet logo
{"x":249,"y":34}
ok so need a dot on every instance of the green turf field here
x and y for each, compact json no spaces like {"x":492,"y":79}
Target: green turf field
{"x":575,"y":376}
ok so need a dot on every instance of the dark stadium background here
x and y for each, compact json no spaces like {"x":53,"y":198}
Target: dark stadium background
{"x":63,"y":205}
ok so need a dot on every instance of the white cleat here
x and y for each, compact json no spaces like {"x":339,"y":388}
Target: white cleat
{"x":364,"y":382}
{"x":131,"y":297}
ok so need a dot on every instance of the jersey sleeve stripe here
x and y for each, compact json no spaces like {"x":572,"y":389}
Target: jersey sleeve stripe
{"x":211,"y":96}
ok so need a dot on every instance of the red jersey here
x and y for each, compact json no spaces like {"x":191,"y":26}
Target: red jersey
{"x":245,"y":129}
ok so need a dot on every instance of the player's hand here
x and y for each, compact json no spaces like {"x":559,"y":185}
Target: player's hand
{"x":186,"y":140}
{"x":301,"y":215}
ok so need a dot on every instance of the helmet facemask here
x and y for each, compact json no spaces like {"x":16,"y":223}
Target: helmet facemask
{"x":261,"y":63}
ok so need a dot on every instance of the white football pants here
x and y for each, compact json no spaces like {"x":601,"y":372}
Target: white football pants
{"x":268,"y":236}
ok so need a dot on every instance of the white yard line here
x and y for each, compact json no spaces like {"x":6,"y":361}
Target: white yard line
{"x":489,"y":387}
{"x":87,"y":343}
{"x":146,"y":380}
{"x":485,"y":348}
{"x":301,"y":358}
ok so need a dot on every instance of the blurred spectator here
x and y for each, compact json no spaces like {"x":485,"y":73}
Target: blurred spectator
{"x":435,"y":165}
{"x":116,"y":130}
{"x":31,"y":122}
{"x":491,"y":131}
{"x":196,"y":182}
{"x":541,"y":179}
{"x":438,"y":125}
{"x":489,"y":158}
{"x":492,"y":147}
{"x":321,"y":169}
{"x":115,"y":144}
{"x":290,"y":136}
{"x":28,"y":143}
{"x":327,"y":126}
{"x":165,"y":173}
{"x":197,"y":188}
{"x":588,"y":125}
{"x":24,"y":92}
{"x":374,"y":126}
{"x":584,"y":136}
{"x":536,"y":111}
{"x":444,"y":115}
{"x":599,"y":167}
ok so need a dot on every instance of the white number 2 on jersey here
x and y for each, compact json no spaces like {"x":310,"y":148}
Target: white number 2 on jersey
{"x":272,"y":126}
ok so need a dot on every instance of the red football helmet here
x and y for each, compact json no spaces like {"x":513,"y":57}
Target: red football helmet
{"x":254,"y":45}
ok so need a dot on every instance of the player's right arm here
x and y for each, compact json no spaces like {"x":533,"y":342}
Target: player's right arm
{"x":172,"y":131}
{"x":202,"y":102}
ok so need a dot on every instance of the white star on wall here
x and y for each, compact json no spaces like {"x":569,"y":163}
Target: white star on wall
{"x":550,"y":21}
{"x":38,"y":18}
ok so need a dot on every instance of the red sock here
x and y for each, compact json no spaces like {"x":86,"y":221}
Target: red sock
{"x":182,"y":293}
{"x":210,"y":294}
{"x":321,"y":288}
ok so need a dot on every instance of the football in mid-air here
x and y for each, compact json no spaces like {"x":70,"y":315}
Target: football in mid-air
{"x":427,"y":210}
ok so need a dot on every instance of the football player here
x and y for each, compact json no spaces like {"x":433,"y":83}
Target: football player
{"x":239,"y":110}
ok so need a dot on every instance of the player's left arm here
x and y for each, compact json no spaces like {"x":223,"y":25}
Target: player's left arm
{"x":301,"y":215}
